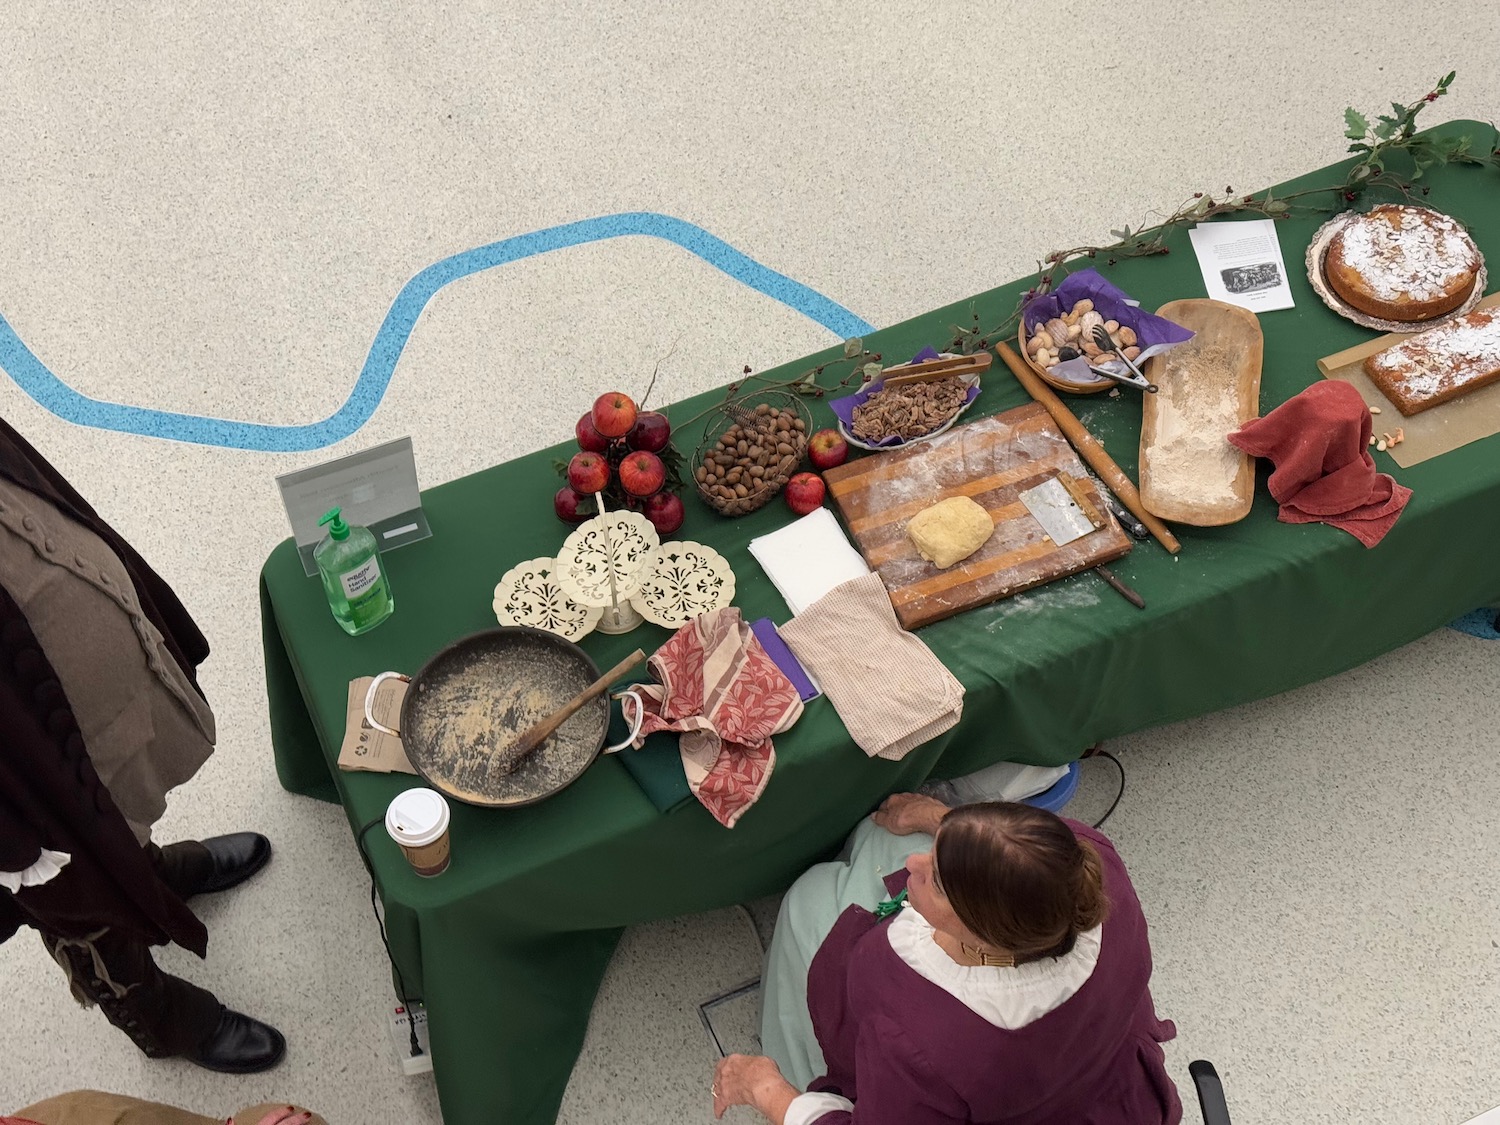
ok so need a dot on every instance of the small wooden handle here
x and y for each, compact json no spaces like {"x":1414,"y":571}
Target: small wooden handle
{"x":539,"y":733}
{"x":931,"y":369}
{"x":1088,"y":446}
{"x":1080,"y":497}
{"x":1130,"y":595}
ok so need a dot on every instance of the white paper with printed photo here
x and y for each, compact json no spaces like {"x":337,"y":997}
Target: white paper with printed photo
{"x":1242,"y":264}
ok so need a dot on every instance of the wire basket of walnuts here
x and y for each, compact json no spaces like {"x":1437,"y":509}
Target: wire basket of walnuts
{"x":750,"y":450}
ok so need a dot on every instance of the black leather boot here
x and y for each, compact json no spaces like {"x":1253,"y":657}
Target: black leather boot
{"x":202,"y":867}
{"x":239,"y":1044}
{"x":164,"y":1015}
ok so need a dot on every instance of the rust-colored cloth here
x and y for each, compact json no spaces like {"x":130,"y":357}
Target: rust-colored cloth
{"x":1318,"y":442}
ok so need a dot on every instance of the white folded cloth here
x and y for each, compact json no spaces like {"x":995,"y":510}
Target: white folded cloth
{"x":807,"y":558}
{"x":46,"y":868}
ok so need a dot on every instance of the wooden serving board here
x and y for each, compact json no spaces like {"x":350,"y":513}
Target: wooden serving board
{"x":1237,"y":331}
{"x":992,"y":461}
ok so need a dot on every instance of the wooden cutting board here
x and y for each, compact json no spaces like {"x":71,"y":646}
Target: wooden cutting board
{"x":992,"y":461}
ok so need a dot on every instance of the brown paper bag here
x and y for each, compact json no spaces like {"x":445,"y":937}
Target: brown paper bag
{"x":366,"y":748}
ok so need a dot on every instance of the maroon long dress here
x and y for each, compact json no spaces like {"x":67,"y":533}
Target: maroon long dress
{"x":906,"y":1052}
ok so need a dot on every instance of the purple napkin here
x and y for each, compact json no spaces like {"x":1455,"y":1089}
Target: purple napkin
{"x":1153,"y":333}
{"x":770,"y":640}
{"x":843,"y":408}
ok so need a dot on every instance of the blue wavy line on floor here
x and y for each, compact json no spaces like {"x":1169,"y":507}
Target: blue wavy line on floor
{"x":35,"y":379}
{"x":33,"y":376}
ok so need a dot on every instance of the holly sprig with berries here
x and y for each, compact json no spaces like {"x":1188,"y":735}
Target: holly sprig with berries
{"x":1397,"y":132}
{"x":1392,"y":134}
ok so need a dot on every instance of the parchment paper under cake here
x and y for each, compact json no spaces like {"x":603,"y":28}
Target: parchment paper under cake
{"x":1439,"y":365}
{"x":1433,"y":432}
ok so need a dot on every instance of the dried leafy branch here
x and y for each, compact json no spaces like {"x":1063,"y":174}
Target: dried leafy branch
{"x":1392,"y":134}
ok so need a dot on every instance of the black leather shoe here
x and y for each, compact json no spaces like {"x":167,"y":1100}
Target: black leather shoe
{"x":235,"y":857}
{"x":240,"y":1045}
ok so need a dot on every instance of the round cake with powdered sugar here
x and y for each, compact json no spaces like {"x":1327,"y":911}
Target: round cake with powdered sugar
{"x":1402,"y":263}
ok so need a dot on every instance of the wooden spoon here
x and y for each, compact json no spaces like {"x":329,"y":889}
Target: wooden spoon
{"x":531,"y":739}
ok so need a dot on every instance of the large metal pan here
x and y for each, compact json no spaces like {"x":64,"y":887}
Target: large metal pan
{"x":469,"y":703}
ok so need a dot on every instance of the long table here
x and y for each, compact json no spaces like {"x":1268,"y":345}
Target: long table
{"x":509,"y":946}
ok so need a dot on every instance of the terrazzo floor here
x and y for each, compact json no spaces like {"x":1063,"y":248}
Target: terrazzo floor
{"x":210,"y":208}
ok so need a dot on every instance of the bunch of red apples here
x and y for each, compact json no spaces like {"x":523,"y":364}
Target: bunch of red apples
{"x":620,"y":445}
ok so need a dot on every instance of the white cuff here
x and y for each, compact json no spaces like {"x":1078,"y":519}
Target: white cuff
{"x":807,"y":1108}
{"x":47,"y":867}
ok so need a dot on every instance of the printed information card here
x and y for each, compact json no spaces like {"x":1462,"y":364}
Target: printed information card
{"x":376,"y":488}
{"x":1242,"y":265}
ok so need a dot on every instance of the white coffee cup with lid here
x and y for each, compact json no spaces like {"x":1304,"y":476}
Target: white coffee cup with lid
{"x":418,"y":821}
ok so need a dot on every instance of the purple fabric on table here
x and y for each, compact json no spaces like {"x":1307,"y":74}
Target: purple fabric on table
{"x":770,"y":640}
{"x":905,"y":1050}
{"x":843,"y":408}
{"x":1153,"y":333}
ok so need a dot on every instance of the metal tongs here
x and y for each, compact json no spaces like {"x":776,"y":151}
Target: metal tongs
{"x":1136,"y":379}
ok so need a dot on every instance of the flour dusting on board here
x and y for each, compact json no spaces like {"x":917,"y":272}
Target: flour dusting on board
{"x":1065,"y":596}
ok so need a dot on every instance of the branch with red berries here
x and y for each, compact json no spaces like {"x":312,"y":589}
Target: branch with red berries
{"x":1391,"y":134}
{"x":857,"y":362}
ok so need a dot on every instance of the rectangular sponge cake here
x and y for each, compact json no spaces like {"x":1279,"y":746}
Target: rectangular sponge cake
{"x":1441,"y":363}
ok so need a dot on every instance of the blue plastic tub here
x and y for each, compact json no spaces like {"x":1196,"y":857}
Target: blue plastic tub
{"x":1057,"y":798}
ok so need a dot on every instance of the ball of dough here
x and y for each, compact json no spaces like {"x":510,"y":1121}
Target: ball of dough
{"x":950,"y":531}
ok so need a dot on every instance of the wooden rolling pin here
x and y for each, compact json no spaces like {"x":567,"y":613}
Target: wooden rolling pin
{"x":1087,"y":445}
{"x":539,"y":733}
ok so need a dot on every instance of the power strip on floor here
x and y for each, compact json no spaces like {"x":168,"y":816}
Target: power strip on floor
{"x":402,"y":1018}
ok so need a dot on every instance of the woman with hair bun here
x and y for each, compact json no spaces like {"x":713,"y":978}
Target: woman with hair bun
{"x":999,"y":978}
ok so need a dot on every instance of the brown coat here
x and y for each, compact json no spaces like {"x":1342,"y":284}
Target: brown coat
{"x":50,"y":795}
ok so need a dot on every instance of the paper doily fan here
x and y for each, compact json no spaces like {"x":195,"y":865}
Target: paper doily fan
{"x":582,"y":568}
{"x":529,"y":593}
{"x":681,"y":581}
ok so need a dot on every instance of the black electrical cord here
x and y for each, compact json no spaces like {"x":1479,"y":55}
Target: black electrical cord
{"x":1113,"y":804}
{"x":411,"y":1019}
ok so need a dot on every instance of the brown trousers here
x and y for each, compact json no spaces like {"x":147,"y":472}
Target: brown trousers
{"x":164,"y":1015}
{"x":88,"y":1107}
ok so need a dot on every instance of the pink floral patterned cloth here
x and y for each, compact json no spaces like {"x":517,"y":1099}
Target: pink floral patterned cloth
{"x":727,"y":698}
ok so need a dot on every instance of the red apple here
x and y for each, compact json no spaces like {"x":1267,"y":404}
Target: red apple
{"x":804,"y":493}
{"x":827,"y":448}
{"x":588,"y":473}
{"x":665,"y":512}
{"x":565,"y":504}
{"x":613,"y":414}
{"x":590,"y":440}
{"x":651,"y":432}
{"x":642,"y":473}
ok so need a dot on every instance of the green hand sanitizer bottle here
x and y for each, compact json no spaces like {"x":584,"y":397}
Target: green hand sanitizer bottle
{"x":349,"y":561}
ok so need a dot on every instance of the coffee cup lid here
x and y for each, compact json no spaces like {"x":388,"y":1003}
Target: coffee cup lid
{"x":417,"y":817}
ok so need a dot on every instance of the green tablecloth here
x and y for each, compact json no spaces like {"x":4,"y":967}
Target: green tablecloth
{"x":508,"y":947}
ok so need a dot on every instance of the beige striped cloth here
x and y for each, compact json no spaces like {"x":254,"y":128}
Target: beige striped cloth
{"x":887,"y":686}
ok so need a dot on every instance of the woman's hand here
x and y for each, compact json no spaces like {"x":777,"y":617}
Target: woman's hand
{"x":903,"y":814}
{"x":752,"y":1080}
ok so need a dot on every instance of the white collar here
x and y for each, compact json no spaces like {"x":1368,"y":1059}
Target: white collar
{"x":1007,"y":997}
